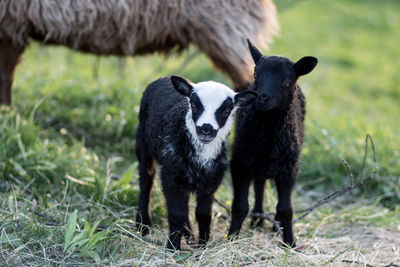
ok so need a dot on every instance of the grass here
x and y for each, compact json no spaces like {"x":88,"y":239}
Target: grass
{"x":73,"y":127}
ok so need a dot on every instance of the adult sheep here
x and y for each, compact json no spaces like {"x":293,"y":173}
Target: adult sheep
{"x":131,"y":27}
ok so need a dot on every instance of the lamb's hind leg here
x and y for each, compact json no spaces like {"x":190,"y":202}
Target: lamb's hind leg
{"x":9,"y":56}
{"x":147,"y":172}
{"x":259,"y":185}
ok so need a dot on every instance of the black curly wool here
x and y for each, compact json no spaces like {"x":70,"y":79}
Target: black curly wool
{"x":268,"y":139}
{"x":183,"y":128}
{"x":162,"y":134}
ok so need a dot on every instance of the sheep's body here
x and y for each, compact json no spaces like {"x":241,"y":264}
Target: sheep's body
{"x":268,"y":139}
{"x":163,"y":135}
{"x":130,"y":27}
{"x":268,"y":143}
{"x":184,"y":127}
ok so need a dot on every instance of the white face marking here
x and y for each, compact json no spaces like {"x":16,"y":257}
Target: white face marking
{"x":212,"y":95}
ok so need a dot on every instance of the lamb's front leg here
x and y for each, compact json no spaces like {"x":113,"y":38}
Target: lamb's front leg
{"x":203,"y":215}
{"x":284,"y":209}
{"x":177,"y":206}
{"x":240,"y":205}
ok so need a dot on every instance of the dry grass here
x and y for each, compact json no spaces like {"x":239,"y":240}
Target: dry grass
{"x":343,"y":238}
{"x":333,"y":241}
{"x":348,"y":232}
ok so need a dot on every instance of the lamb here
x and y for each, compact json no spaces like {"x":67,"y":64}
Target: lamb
{"x":268,"y":139}
{"x":133,"y":27}
{"x":183,"y":127}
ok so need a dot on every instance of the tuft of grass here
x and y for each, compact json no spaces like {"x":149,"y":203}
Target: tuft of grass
{"x":28,"y":158}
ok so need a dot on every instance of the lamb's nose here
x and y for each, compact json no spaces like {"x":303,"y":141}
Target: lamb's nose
{"x":206,"y":129}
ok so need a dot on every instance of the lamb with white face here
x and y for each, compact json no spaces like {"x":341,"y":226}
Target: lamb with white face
{"x":185,"y":134}
{"x":210,"y":114}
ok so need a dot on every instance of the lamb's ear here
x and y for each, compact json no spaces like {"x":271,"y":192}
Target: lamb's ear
{"x":255,"y":53}
{"x":245,"y":98}
{"x":305,"y":65}
{"x":181,"y":85}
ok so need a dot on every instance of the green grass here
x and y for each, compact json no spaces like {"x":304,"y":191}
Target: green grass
{"x":73,"y":127}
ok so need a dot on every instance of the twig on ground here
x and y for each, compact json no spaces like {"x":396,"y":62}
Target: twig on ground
{"x":346,"y":188}
{"x":268,"y":217}
{"x":228,"y":210}
{"x":349,"y":171}
{"x":334,"y":195}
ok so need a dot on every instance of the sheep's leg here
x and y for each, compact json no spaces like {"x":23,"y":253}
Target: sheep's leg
{"x":259,"y":185}
{"x":284,"y":209}
{"x":9,"y":56}
{"x":203,"y":216}
{"x":146,"y":173}
{"x":240,"y":205}
{"x":178,"y":213}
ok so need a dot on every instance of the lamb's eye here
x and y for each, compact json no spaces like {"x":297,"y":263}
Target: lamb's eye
{"x":226,"y":112}
{"x":286,"y":84}
{"x":194,"y":109}
{"x":255,"y":75}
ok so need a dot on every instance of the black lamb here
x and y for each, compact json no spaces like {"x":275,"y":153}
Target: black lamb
{"x":268,"y":139}
{"x":183,"y":127}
